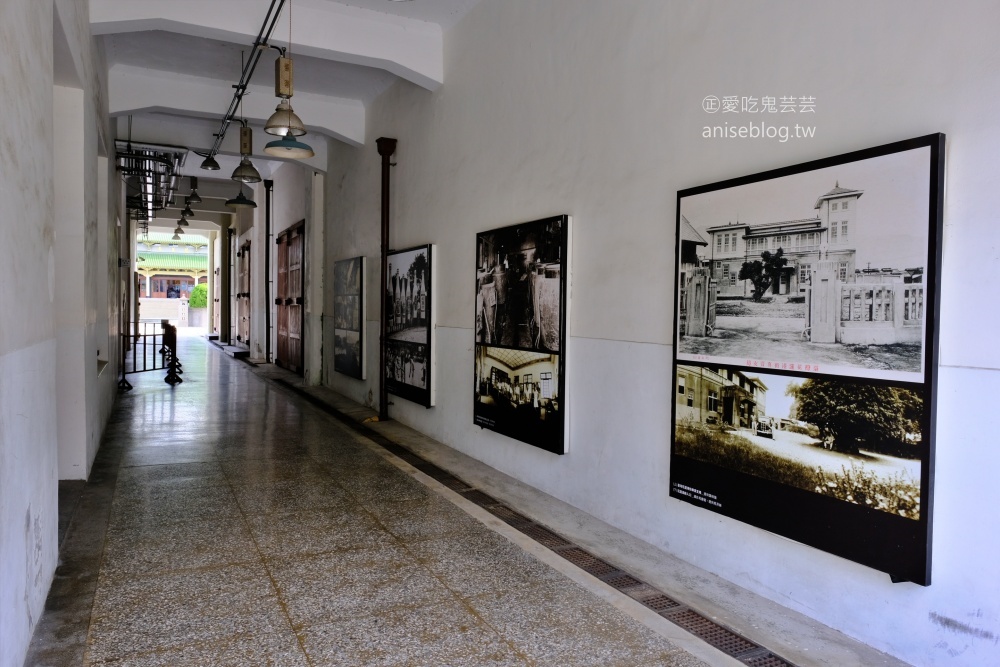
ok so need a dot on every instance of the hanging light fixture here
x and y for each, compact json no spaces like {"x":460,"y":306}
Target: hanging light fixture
{"x":187,"y":212}
{"x":175,"y":237}
{"x":284,"y":122}
{"x":210,"y":164}
{"x":241,"y":201}
{"x":194,"y":197}
{"x":178,"y":231}
{"x":289,"y":147}
{"x":182,"y":222}
{"x":246,"y":172}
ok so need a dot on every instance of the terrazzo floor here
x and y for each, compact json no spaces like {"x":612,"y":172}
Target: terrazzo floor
{"x":229,"y":522}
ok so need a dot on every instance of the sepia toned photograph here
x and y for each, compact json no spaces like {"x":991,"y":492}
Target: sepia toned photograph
{"x":804,"y":369}
{"x":522,"y":304}
{"x":517,"y":393}
{"x":519,"y":285}
{"x":349,"y":317}
{"x":409,"y":324}
{"x":826,"y":269}
{"x":860,"y":443}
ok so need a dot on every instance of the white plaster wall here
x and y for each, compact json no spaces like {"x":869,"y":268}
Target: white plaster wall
{"x":28,"y":492}
{"x":594,"y":109}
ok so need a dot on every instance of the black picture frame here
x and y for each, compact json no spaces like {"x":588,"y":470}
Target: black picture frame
{"x":804,"y":381}
{"x":349,"y":313}
{"x":409,"y":344}
{"x":522,"y":314}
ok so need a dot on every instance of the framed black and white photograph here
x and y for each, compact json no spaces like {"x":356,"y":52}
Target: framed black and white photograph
{"x":522,"y":273}
{"x":349,"y":317}
{"x":806,"y":350}
{"x":409,"y":320}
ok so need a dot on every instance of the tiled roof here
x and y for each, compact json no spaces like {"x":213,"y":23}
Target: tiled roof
{"x":183,"y":261}
{"x":689,"y":233}
{"x":186,"y":239}
{"x":837,"y":191}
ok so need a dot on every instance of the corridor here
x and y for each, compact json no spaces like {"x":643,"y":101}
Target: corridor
{"x":230,"y":522}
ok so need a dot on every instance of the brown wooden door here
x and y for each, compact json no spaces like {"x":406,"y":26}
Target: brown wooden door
{"x":243,"y":295}
{"x":291,"y":297}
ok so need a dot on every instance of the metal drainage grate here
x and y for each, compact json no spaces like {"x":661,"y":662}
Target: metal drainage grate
{"x":713,"y":633}
{"x":544,"y":536}
{"x":480,"y":498}
{"x":453,"y":483}
{"x":658,"y":602}
{"x":769,"y":660}
{"x":587,"y":562}
{"x":621,"y":580}
{"x":507,"y":515}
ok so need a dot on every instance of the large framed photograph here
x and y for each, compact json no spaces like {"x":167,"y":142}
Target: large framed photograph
{"x":805,"y":320}
{"x":409,"y":320}
{"x":349,"y":317}
{"x":522,"y":307}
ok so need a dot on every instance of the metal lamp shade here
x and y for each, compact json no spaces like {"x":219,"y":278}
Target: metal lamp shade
{"x":246,"y":172}
{"x":210,"y":164}
{"x":240,"y":201}
{"x":284,"y":120}
{"x":194,"y":197}
{"x":288,"y":147}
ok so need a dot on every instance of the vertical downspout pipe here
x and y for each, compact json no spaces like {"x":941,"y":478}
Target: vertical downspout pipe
{"x":386,"y":147}
{"x":268,"y":187}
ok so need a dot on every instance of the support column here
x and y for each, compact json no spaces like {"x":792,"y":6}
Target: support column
{"x":225,"y":261}
{"x":386,"y":147}
{"x":211,"y":281}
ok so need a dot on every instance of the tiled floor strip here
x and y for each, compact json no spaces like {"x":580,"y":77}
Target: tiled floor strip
{"x":722,"y":638}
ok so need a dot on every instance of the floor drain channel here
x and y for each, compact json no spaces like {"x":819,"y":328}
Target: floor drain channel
{"x":727,"y":641}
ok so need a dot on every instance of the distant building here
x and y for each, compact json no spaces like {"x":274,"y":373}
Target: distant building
{"x":829,"y":236}
{"x":721,"y":396}
{"x":170,"y":269}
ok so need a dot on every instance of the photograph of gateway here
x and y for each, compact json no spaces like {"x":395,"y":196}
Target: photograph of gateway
{"x":859,"y":443}
{"x":408,"y":316}
{"x":839,"y":290}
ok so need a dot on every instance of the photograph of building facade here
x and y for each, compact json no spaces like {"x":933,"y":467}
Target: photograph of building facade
{"x":827,"y":236}
{"x":719,"y":396}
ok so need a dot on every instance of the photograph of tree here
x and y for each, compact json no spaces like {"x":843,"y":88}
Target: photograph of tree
{"x":349,"y":317}
{"x":805,"y":363}
{"x":860,"y":443}
{"x":409,"y":323}
{"x":521,"y":314}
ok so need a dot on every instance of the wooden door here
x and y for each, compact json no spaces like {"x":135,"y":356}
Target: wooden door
{"x":243,"y":295}
{"x":291,"y":297}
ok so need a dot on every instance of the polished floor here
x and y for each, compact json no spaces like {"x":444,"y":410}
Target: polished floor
{"x":230,"y":522}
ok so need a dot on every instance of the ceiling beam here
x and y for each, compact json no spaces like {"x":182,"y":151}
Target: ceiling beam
{"x":410,"y":49}
{"x":135,"y":90}
{"x":196,"y":134}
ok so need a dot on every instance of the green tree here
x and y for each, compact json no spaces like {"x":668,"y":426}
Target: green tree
{"x":763,"y":272}
{"x":199,"y":296}
{"x":851,"y":415}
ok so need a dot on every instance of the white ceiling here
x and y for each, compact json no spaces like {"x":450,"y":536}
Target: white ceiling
{"x":346,"y":52}
{"x":444,"y":13}
{"x":184,"y":54}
